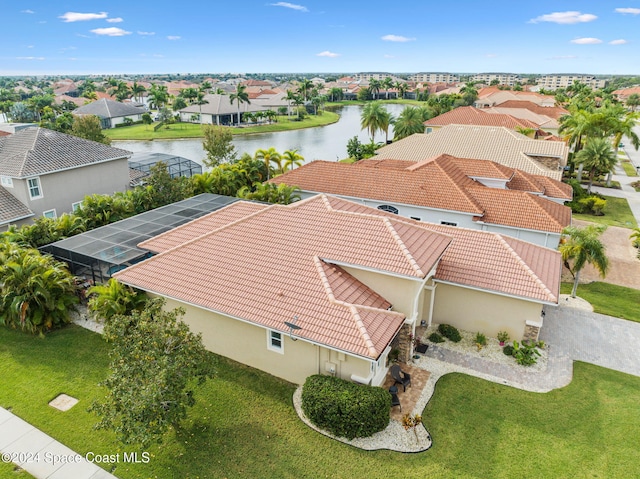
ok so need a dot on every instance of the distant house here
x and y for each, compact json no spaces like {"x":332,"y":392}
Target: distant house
{"x":499,"y":144}
{"x":476,"y":194}
{"x":111,"y":113}
{"x":468,"y":115}
{"x":220,"y":111}
{"x":328,"y":286}
{"x":493,"y":96}
{"x":50,"y":173}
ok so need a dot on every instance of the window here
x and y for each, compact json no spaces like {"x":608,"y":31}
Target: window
{"x":34,"y":188}
{"x":429,"y":129}
{"x":415,"y":218}
{"x":76,"y":206}
{"x":6,"y":181}
{"x":388,"y":209}
{"x":50,"y":214}
{"x":275,"y":341}
{"x":448,"y":223}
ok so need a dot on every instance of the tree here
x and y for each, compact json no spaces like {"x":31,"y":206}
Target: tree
{"x":633,"y":101}
{"x":596,"y":156}
{"x":217,"y":142}
{"x":281,"y":194}
{"x":179,"y":103}
{"x":336,"y":94}
{"x":240,"y":96}
{"x":89,"y":128}
{"x":291,"y":159}
{"x":113,"y":298}
{"x":375,"y":118}
{"x":402,"y":88}
{"x":146,"y":118}
{"x":137,"y":91}
{"x":36,"y":292}
{"x":167,"y":190}
{"x":374,"y":88}
{"x":409,"y":122}
{"x":305,"y":87}
{"x":580,"y":246}
{"x":269,"y":156}
{"x":200,"y":100}
{"x":635,"y":239}
{"x":387,"y":84}
{"x":158,"y":96}
{"x":156,"y":362}
{"x":290,"y":98}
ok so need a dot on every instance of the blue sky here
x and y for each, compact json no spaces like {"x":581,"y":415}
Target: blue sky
{"x":112,"y":37}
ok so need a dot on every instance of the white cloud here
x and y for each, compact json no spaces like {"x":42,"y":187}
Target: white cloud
{"x":27,"y":11}
{"x":29,"y":58}
{"x":158,"y":55}
{"x":630,"y":11}
{"x":173,"y":37}
{"x":397,"y":38}
{"x":327,"y":53}
{"x":620,"y":41}
{"x":292,"y":6}
{"x":115,"y":20}
{"x":110,"y":32}
{"x":146,"y":33}
{"x":563,"y":57}
{"x":491,"y":55}
{"x":388,"y":56}
{"x":29,"y":46}
{"x":565,"y":18}
{"x":586,"y":41}
{"x":81,"y":17}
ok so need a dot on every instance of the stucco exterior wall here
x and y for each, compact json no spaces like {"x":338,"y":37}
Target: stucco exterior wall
{"x":247,"y":343}
{"x":61,"y":189}
{"x":541,"y":238}
{"x":487,"y":313}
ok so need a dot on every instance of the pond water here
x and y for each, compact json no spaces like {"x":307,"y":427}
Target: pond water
{"x":321,"y":143}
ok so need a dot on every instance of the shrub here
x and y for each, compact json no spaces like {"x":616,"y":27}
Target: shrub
{"x":526,"y":354}
{"x":435,"y":338}
{"x":508,"y":350}
{"x":503,"y":336}
{"x":592,"y":204}
{"x":450,"y":332}
{"x":481,"y":339}
{"x":343,"y":408}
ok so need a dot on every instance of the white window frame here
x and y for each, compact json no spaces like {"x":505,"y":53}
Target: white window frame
{"x":6,"y":181}
{"x":389,"y":209}
{"x":275,"y":336}
{"x":75,"y":206}
{"x":39,"y":186}
{"x":54,"y":215}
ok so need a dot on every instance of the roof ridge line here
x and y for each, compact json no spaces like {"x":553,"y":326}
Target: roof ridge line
{"x":363,"y":331}
{"x":396,"y":236}
{"x":541,"y":203}
{"x":527,"y":268}
{"x":461,"y":188}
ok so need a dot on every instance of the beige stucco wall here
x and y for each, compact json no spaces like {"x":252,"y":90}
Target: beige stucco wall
{"x":247,"y":344}
{"x":487,"y":313}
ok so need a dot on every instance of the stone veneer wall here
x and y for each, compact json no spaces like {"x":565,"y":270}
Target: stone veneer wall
{"x":531,"y":332}
{"x":403,"y":342}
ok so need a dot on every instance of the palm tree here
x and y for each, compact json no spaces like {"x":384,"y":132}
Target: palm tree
{"x":158,"y":96}
{"x":336,"y":94}
{"x":387,"y":84}
{"x":375,"y":118}
{"x":239,"y":96}
{"x":374,"y":88}
{"x":633,"y":101}
{"x":582,"y":246}
{"x":291,"y":159}
{"x":305,"y":86}
{"x":107,"y":300}
{"x":290,"y":97}
{"x":282,"y":193}
{"x":269,"y":156}
{"x":409,"y":122}
{"x":137,"y":90}
{"x":635,"y":237}
{"x":200,"y":101}
{"x":597,"y":155}
{"x":402,"y":88}
{"x":205,"y":87}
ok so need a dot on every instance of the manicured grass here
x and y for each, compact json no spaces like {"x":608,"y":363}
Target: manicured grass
{"x":244,"y":424}
{"x":628,"y":168}
{"x":194,"y":130}
{"x":609,"y":299}
{"x":11,"y":471}
{"x":616,"y":213}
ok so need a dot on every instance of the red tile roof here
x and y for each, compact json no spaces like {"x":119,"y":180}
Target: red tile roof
{"x":469,"y":115}
{"x":552,"y":111}
{"x":284,"y":261}
{"x":443,"y":183}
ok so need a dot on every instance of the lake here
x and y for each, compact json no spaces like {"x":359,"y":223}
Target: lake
{"x":321,"y":143}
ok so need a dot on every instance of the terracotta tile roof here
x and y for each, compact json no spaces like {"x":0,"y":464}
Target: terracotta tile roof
{"x":11,"y":209}
{"x":36,"y":151}
{"x":468,"y":115}
{"x":498,"y":144}
{"x":442,"y":183}
{"x":268,"y":267}
{"x":540,"y":184}
{"x":554,"y":112}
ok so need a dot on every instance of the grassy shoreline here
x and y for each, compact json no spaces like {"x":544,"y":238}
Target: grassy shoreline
{"x":194,"y":130}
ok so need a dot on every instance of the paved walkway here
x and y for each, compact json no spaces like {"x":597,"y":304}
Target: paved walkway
{"x":40,"y":455}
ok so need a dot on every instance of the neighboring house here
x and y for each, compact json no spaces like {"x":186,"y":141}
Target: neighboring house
{"x":50,"y":173}
{"x":476,"y":194}
{"x":220,"y":111}
{"x":351,"y":280}
{"x":111,"y":113}
{"x":499,"y":144}
{"x":493,"y":96}
{"x":468,"y":115}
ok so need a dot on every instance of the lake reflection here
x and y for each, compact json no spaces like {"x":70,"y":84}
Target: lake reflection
{"x":321,"y":143}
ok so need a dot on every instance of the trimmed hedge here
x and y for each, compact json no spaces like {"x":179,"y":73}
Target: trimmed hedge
{"x":435,"y":338}
{"x":343,"y":408}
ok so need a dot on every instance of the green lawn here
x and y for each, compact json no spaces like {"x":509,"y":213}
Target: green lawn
{"x":244,"y":424}
{"x":193,"y":130}
{"x":609,"y":299}
{"x":616,"y":213}
{"x":11,"y":471}
{"x":628,"y":168}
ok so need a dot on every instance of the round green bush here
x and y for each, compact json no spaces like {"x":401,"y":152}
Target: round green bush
{"x":508,"y":350}
{"x":435,"y":338}
{"x":450,"y":332}
{"x":343,"y":408}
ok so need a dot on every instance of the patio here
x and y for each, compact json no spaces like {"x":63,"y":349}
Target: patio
{"x":410,"y":397}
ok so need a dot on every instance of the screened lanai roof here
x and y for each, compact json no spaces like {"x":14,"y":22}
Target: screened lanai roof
{"x":116,"y":244}
{"x":176,"y":165}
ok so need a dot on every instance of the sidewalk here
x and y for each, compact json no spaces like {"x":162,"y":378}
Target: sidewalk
{"x":40,"y":455}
